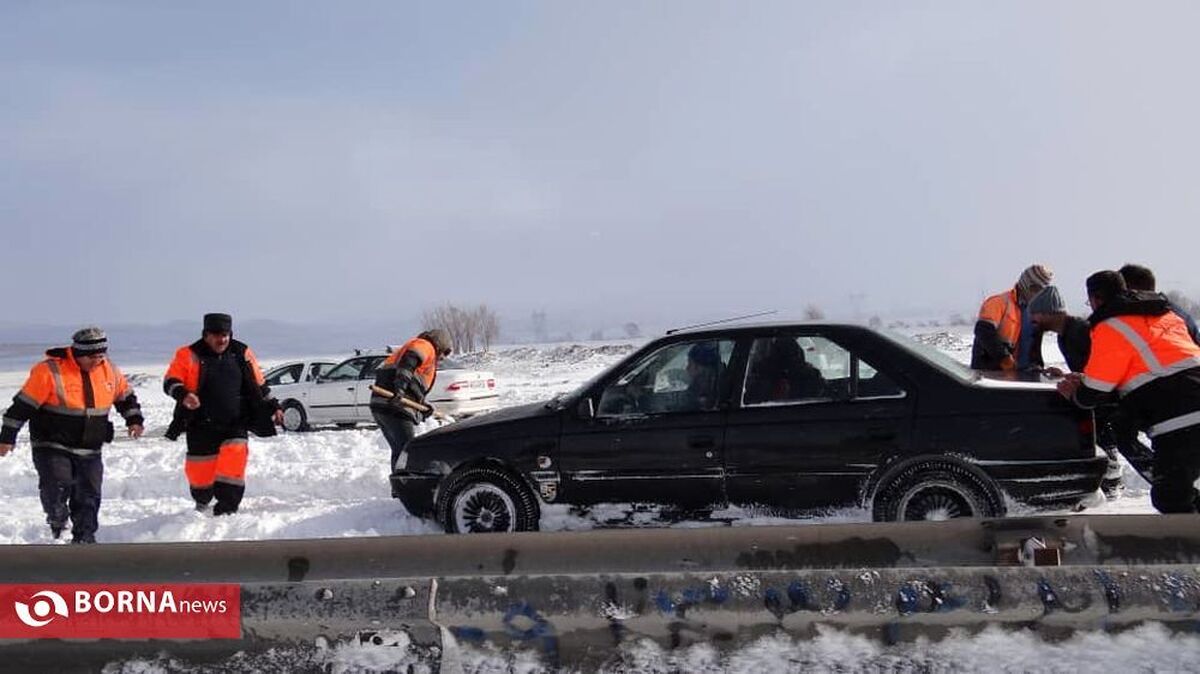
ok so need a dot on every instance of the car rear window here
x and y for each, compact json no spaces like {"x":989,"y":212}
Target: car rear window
{"x":940,"y":360}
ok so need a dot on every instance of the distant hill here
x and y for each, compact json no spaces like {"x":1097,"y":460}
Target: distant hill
{"x":131,"y":344}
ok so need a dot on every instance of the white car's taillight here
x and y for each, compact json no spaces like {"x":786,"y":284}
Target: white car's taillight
{"x":491,"y":383}
{"x":456,"y":386}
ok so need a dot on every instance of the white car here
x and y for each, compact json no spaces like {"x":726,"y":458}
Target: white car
{"x":341,"y":394}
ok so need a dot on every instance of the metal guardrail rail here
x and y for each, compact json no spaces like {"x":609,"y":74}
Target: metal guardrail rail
{"x":575,"y":598}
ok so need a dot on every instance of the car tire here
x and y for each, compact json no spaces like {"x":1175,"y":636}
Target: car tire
{"x":295,"y":419}
{"x":486,"y":499}
{"x":935,"y":490}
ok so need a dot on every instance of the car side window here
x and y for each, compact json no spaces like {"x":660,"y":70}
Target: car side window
{"x":317,"y":370}
{"x":683,"y":377}
{"x":372,"y":364}
{"x":792,"y":369}
{"x":287,"y":375}
{"x":874,"y":384}
{"x":346,"y":371}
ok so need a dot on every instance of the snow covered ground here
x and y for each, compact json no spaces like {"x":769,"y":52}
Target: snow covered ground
{"x":332,"y":483}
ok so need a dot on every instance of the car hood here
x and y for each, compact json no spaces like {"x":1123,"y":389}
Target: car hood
{"x":495,"y":421}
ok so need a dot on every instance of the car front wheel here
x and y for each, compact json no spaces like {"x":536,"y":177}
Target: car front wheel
{"x":294,"y":418}
{"x":929,"y":490}
{"x":486,"y":499}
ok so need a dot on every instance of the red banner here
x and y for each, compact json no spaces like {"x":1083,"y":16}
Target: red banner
{"x":99,"y":611}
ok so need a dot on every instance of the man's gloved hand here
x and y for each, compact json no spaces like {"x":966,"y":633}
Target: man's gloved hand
{"x":432,"y":411}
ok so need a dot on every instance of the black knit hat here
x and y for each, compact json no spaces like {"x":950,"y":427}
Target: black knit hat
{"x":89,"y":341}
{"x":218,"y":323}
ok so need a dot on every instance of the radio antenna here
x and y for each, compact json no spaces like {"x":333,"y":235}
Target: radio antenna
{"x":723,"y":320}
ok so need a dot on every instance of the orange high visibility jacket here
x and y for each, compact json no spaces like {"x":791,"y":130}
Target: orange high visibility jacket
{"x":409,"y":371}
{"x":67,"y":407}
{"x":1002,"y":312}
{"x":184,"y":376}
{"x":1152,"y":362}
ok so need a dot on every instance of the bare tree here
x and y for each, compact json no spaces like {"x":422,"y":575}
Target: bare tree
{"x":468,"y":328}
{"x":632,"y":330}
{"x":813,"y":313}
{"x":539,"y":325}
{"x":596,"y":335}
{"x":489,"y":326}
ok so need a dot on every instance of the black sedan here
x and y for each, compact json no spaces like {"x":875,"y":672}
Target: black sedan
{"x":795,"y":417}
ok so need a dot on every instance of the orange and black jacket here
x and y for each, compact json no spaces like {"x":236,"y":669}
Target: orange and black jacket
{"x":997,"y":333}
{"x":408,"y":371}
{"x":67,"y":408}
{"x":1142,"y":353}
{"x":186,"y":375}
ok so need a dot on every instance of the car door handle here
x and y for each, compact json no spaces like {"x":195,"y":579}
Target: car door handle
{"x":701,"y":442}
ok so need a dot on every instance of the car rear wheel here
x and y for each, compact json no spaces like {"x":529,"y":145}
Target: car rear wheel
{"x":931,"y":490}
{"x":486,"y":499}
{"x":294,"y":417}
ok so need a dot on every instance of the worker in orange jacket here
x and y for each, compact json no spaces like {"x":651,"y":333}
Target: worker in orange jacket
{"x":1005,"y":337}
{"x":408,"y":372}
{"x":66,"y":400}
{"x":220,"y":397}
{"x":1143,"y":355}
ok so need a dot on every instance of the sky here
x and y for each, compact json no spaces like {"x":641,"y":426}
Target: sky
{"x":668,"y":161}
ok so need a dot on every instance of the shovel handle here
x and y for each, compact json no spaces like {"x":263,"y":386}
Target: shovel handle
{"x":403,"y":401}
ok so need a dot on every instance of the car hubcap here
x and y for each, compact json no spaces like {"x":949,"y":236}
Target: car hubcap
{"x":292,"y":419}
{"x":482,"y":508}
{"x":936,"y":502}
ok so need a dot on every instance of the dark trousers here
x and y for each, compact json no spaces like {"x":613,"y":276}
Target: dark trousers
{"x":397,"y":430}
{"x":1116,"y":432}
{"x":69,"y":486}
{"x":216,"y":466}
{"x":1176,"y":468}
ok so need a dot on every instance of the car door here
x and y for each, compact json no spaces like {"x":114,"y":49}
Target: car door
{"x":657,"y":431}
{"x":332,"y":397}
{"x":811,"y":421}
{"x":362,"y":390}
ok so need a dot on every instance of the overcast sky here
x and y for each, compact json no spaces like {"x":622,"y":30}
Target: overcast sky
{"x":616,"y":160}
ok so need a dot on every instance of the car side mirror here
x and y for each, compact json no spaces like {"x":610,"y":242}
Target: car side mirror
{"x":586,"y":409}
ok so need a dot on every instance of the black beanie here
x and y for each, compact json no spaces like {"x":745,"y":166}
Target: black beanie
{"x":218,"y":323}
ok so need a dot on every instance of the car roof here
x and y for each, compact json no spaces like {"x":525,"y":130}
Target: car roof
{"x":759,"y":326}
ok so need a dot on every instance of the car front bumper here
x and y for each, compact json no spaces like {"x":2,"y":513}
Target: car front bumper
{"x":415,"y":491}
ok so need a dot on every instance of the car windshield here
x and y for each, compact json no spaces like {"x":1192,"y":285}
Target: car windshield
{"x":939,"y":359}
{"x":562,"y":398}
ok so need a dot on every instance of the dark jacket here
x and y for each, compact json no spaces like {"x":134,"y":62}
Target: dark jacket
{"x":1075,"y":342}
{"x":257,"y":406}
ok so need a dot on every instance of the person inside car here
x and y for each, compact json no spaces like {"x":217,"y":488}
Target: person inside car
{"x":703,"y":370}
{"x":781,"y":373}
